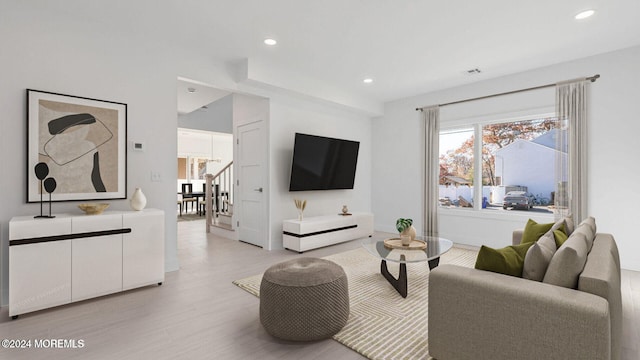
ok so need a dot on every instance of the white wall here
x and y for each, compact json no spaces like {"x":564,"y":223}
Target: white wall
{"x":194,"y":143}
{"x":492,"y":228}
{"x":45,"y":47}
{"x":221,"y":149}
{"x":613,"y":132}
{"x":289,"y":117}
{"x":218,"y":117}
{"x":42,"y":50}
{"x":205,"y":144}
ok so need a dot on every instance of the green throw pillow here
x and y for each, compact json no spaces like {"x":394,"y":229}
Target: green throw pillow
{"x":508,"y":260}
{"x":533,"y":231}
{"x":560,"y":237}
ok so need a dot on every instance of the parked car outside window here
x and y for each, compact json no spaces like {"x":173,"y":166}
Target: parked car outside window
{"x":517,"y":200}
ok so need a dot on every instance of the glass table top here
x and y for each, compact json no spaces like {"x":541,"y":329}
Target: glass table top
{"x":436,"y":246}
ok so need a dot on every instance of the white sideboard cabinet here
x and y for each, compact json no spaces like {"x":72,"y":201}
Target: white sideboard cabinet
{"x":142,"y":256}
{"x":96,"y":260}
{"x":318,"y":231}
{"x":75,"y":257}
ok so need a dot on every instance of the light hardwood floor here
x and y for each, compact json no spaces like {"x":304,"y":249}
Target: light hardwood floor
{"x":199,"y":314}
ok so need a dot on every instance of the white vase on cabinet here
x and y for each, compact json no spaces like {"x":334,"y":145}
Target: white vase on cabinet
{"x":138,"y":200}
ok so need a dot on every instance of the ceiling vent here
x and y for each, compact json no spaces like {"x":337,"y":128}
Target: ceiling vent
{"x":473,"y":71}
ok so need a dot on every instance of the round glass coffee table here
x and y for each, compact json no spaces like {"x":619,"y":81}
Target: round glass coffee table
{"x":436,"y":246}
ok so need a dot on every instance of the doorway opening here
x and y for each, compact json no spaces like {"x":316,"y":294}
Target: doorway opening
{"x":200,"y":153}
{"x":234,"y":127}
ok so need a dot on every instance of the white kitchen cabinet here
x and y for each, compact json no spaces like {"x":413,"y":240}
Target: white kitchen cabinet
{"x":76,"y":257}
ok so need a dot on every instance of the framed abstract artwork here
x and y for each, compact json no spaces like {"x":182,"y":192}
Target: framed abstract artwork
{"x":82,"y":141}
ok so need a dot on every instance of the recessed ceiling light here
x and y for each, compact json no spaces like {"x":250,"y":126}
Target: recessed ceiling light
{"x":367,"y":80}
{"x":191,"y":90}
{"x":270,"y":42}
{"x":585,"y":14}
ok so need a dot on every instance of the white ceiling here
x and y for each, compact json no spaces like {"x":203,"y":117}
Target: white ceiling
{"x":408,"y":47}
{"x":201,"y":96}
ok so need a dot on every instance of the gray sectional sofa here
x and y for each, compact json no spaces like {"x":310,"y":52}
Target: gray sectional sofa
{"x":476,"y":314}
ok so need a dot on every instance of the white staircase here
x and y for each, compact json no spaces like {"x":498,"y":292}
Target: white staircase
{"x":219,"y":202}
{"x":225,"y":218}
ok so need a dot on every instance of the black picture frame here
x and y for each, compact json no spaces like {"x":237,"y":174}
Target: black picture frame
{"x":84,"y":143}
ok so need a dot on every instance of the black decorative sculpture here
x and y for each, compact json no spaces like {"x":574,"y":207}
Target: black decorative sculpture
{"x":42,"y":170}
{"x":50,"y":185}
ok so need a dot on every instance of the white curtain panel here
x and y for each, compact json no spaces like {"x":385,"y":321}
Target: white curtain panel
{"x":431,"y":119}
{"x":571,"y":110}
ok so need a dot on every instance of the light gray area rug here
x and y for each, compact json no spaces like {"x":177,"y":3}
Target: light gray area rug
{"x":383,"y":325}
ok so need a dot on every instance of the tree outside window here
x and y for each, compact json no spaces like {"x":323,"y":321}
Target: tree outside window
{"x":456,"y":167}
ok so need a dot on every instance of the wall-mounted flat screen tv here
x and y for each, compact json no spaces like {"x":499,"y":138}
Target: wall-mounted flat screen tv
{"x":322,"y":163}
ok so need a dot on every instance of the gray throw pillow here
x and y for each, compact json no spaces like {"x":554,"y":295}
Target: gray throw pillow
{"x":588,"y":233}
{"x":560,"y":225}
{"x":568,"y":262}
{"x":591,"y":221}
{"x":569,"y":225}
{"x":538,"y":257}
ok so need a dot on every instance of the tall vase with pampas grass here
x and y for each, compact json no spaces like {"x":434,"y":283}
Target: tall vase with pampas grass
{"x":300,"y":205}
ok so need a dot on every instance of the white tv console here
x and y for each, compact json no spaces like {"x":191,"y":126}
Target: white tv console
{"x":315,"y":232}
{"x":76,"y":257}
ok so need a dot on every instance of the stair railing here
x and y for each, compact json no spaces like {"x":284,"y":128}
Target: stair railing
{"x":218,"y":189}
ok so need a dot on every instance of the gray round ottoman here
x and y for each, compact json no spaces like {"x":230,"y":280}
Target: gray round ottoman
{"x":304,"y":299}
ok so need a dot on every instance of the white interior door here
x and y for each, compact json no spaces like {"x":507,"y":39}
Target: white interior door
{"x":250,"y":185}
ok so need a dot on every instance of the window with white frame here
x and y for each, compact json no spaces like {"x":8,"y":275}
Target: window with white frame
{"x":514,"y":167}
{"x":456,"y":167}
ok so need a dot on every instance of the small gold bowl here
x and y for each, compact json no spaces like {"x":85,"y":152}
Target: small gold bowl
{"x":93,"y":208}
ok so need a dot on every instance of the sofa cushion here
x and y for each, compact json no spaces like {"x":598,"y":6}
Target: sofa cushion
{"x":533,"y":231}
{"x":508,"y":260}
{"x":569,"y":224}
{"x":588,"y":228}
{"x":567,"y":263}
{"x":539,"y":255}
{"x":601,"y":277}
{"x":588,"y":235}
{"x":565,"y":224}
{"x":591,"y":221}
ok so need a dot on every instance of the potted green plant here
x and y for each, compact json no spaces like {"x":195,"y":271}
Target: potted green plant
{"x":406,"y":230}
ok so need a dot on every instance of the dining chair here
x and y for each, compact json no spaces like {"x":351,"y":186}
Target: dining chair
{"x":187,"y":198}
{"x":180,"y":203}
